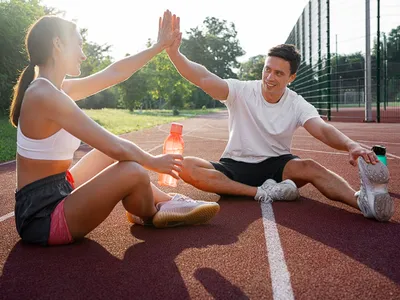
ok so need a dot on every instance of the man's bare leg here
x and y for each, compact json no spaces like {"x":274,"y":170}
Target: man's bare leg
{"x":202,"y":175}
{"x":331,"y":185}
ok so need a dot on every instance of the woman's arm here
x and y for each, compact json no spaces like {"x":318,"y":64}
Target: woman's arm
{"x":62,"y":110}
{"x":80,"y":88}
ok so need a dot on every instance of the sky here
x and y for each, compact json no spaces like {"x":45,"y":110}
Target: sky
{"x":126,"y":25}
{"x":261,"y":24}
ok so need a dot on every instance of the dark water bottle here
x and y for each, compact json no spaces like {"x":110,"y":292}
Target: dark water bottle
{"x":380,"y":152}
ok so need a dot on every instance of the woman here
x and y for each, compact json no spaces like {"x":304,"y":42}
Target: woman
{"x":58,"y":205}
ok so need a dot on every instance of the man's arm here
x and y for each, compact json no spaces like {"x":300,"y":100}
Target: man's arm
{"x":332,"y":137}
{"x":197,"y":74}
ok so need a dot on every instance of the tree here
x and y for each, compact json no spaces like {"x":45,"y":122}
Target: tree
{"x":214,"y":45}
{"x":157,"y":84}
{"x":252,"y":69}
{"x":97,"y":58}
{"x":169,"y":84}
{"x":135,"y":91}
{"x":15,"y":18}
{"x":393,"y":53}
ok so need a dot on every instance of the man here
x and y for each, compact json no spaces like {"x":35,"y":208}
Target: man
{"x":263,"y":116}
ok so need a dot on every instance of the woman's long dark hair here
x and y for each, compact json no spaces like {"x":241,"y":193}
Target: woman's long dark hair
{"x":39,"y":45}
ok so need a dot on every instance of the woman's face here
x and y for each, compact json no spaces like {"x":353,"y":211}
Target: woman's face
{"x":72,"y":54}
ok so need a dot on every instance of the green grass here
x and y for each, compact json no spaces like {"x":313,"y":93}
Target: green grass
{"x":117,"y":121}
{"x":122,"y":121}
{"x":8,"y":136}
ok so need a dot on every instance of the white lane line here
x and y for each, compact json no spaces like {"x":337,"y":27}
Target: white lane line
{"x":379,"y":142}
{"x":161,"y":145}
{"x":317,"y":151}
{"x":7,"y":163}
{"x":387,"y":154}
{"x":335,"y":153}
{"x":207,"y":138}
{"x":219,"y":128}
{"x":7,"y":216}
{"x":280,"y":277}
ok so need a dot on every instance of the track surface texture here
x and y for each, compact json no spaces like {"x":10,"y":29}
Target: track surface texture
{"x":313,"y":248}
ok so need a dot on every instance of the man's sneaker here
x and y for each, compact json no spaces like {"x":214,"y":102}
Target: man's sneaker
{"x":373,"y":199}
{"x":180,"y":210}
{"x":271,"y":191}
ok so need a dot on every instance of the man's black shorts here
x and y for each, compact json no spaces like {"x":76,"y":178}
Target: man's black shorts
{"x":254,"y":174}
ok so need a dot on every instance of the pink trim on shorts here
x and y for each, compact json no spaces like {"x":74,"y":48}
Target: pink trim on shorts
{"x":59,"y":231}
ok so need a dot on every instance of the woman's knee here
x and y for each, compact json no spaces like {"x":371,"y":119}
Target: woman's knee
{"x":132,"y":173}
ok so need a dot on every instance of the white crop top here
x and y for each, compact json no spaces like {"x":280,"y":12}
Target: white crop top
{"x":59,"y":146}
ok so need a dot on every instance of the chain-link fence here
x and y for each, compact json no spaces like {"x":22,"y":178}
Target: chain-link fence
{"x":331,"y":36}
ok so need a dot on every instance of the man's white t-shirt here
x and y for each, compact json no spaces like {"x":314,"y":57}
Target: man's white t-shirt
{"x":257,"y":129}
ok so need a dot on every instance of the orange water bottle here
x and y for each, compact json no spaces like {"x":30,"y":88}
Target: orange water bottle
{"x":173,"y":144}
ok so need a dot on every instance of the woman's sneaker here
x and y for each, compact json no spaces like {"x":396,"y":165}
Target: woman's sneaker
{"x":271,"y":191}
{"x":180,"y":210}
{"x":373,"y":199}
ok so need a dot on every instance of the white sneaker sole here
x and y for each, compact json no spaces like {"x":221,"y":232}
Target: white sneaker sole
{"x":199,"y":215}
{"x":374,"y":179}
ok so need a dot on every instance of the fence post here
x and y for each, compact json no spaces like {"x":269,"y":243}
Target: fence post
{"x":385,"y":67}
{"x":309,"y":31}
{"x":367,"y":89}
{"x":320,"y":92}
{"x":328,"y":59}
{"x":378,"y":66}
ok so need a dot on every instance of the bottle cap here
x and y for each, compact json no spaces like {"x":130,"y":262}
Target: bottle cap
{"x":379,"y":150}
{"x":176,"y":128}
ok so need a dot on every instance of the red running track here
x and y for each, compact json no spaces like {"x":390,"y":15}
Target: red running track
{"x":310,"y":249}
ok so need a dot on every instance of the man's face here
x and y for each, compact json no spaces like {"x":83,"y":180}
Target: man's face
{"x":276,"y":76}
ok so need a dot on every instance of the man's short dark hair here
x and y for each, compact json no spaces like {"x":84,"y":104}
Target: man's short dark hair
{"x":289,"y":53}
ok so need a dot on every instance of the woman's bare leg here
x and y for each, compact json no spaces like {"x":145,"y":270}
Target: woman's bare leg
{"x":90,"y":204}
{"x":94,"y":162}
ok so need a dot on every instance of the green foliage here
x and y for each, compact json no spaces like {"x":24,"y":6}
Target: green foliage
{"x":8,"y":137}
{"x":213,"y":43}
{"x":215,"y":46}
{"x":252,"y":69}
{"x":393,"y":53}
{"x":15,"y":18}
{"x":98,"y":58}
{"x":157,"y":85}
